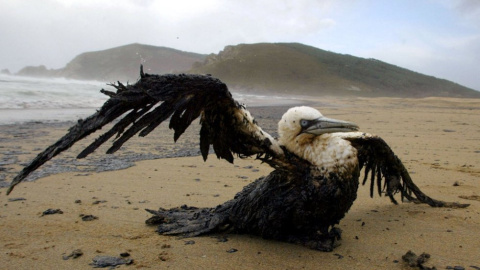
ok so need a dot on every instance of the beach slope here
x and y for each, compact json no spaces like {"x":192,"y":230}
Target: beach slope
{"x":103,"y":212}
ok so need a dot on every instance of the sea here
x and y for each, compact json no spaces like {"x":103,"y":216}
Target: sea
{"x":26,"y":99}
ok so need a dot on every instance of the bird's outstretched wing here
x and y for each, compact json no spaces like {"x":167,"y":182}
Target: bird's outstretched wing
{"x":141,"y":107}
{"x":381,"y":163}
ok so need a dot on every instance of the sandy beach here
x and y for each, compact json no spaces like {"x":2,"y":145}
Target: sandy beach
{"x":436,"y":138}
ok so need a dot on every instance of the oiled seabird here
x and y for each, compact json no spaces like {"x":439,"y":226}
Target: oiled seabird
{"x":317,"y":160}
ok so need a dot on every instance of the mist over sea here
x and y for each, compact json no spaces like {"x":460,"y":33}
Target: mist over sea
{"x":24,"y":99}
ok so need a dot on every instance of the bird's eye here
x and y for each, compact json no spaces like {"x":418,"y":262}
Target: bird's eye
{"x":304,"y":123}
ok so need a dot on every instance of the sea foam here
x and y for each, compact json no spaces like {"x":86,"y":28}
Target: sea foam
{"x":24,"y":99}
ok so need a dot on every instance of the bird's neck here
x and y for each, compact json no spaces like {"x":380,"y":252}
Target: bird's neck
{"x":327,"y":152}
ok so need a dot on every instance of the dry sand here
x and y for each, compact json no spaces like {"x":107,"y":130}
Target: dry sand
{"x":437,"y":139}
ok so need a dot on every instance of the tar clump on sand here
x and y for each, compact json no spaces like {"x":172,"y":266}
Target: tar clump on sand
{"x":51,"y":211}
{"x":88,"y":217}
{"x":109,"y":261}
{"x":417,"y":261}
{"x":75,"y":254}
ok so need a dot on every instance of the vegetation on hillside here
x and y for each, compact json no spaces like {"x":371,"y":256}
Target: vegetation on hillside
{"x":121,"y":63}
{"x":295,"y":68}
{"x":281,"y":68}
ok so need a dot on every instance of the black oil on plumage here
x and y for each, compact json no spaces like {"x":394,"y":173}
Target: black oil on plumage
{"x":298,"y":202}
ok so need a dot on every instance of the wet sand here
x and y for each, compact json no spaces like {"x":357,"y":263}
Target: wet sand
{"x":437,"y":139}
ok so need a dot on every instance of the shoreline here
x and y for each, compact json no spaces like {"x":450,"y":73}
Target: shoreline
{"x":437,"y":140}
{"x":12,"y":116}
{"x":42,"y":134}
{"x":25,"y":116}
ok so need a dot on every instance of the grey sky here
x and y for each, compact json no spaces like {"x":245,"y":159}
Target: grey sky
{"x":435,"y":37}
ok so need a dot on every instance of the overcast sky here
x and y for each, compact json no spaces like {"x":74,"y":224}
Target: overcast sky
{"x":434,"y":37}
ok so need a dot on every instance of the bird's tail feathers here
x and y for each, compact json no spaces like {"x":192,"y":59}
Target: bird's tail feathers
{"x":187,"y":221}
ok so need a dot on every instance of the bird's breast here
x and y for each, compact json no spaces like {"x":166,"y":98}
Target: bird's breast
{"x":330,"y":154}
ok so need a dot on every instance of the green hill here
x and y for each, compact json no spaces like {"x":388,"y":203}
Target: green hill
{"x":288,"y":68}
{"x":123,"y":63}
{"x":120,"y":64}
{"x":294,"y":68}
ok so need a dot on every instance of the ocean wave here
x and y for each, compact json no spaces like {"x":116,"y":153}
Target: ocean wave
{"x":43,"y":99}
{"x":42,"y":93}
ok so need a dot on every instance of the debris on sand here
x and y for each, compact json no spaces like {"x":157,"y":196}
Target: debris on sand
{"x":51,"y":211}
{"x":457,"y":267}
{"x":417,"y":261}
{"x":109,"y":261}
{"x":221,"y":238}
{"x":471,"y":197}
{"x":88,"y":217}
{"x":124,"y":254}
{"x":16,"y":199}
{"x":99,"y":202}
{"x":75,"y":254}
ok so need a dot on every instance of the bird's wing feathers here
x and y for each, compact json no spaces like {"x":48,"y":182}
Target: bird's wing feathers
{"x":226,"y":125}
{"x":381,"y":163}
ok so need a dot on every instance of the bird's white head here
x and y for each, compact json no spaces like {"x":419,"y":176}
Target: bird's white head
{"x":299,"y":125}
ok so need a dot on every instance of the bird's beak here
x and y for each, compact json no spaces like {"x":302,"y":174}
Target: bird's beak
{"x":328,"y":125}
